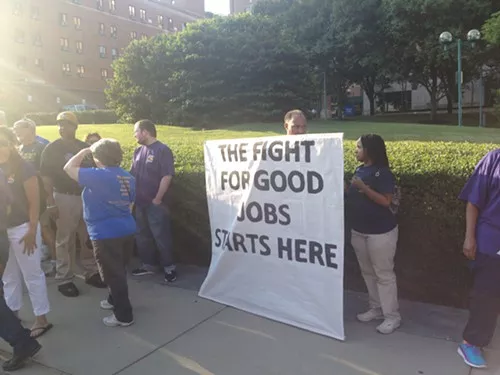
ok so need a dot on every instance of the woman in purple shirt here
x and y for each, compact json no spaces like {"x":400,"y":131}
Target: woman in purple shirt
{"x":482,"y":246}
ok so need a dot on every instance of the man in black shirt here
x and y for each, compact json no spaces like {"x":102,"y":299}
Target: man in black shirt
{"x":65,"y":203}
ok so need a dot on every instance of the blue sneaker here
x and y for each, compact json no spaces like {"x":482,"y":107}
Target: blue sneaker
{"x":472,"y":355}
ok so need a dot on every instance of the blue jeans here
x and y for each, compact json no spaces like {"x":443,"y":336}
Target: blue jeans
{"x":154,"y":236}
{"x":11,"y":329}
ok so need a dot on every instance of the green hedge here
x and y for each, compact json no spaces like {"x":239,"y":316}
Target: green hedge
{"x":101,"y":116}
{"x":429,"y":262}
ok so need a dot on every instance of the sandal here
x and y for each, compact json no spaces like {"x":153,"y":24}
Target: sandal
{"x":41,"y":330}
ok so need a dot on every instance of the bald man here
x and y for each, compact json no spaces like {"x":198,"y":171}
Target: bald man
{"x":295,"y":122}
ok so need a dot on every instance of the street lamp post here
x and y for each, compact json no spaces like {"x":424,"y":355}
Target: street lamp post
{"x":446,"y":38}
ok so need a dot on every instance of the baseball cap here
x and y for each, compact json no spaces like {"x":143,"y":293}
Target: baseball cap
{"x":67,"y":116}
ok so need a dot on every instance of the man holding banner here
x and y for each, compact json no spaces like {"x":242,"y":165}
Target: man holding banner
{"x":295,"y":122}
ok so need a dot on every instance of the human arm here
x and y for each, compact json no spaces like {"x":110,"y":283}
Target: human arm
{"x":31,"y":189}
{"x":72,"y":167}
{"x":167,"y":171}
{"x":471,"y":215}
{"x":382,"y":199}
{"x":162,"y":190}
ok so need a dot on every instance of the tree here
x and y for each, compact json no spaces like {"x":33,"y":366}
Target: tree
{"x":359,"y":37}
{"x":414,"y":28}
{"x":241,"y":68}
{"x":491,"y":29}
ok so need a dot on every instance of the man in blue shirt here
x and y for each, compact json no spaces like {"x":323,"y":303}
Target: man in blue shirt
{"x":108,"y":195}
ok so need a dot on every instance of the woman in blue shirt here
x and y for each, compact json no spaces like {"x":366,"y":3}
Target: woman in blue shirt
{"x":375,"y":230}
{"x":108,"y":194}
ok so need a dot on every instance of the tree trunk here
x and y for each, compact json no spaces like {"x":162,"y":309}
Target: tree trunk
{"x":449,"y":98}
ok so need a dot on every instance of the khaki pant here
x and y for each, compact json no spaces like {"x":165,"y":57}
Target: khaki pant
{"x":375,"y":253}
{"x":70,"y":223}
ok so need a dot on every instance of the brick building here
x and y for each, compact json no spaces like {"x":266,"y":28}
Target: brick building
{"x":240,"y":6}
{"x":59,"y":52}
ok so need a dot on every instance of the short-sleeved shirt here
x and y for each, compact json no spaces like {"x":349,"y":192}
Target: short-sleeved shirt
{"x":5,"y":200}
{"x":483,"y":191}
{"x":364,"y":215}
{"x":107,"y":196}
{"x":151,"y":163}
{"x":32,"y":153}
{"x":54,"y":158}
{"x":16,"y":177}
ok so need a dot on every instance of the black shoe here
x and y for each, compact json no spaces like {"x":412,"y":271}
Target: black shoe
{"x":69,"y":290}
{"x":96,"y":281}
{"x":170,"y":276}
{"x":20,"y":357}
{"x":141,"y":272}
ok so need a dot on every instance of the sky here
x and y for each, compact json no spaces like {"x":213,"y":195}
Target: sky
{"x":217,"y":6}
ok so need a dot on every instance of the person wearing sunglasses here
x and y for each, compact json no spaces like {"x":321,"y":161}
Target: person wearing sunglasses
{"x":23,"y":231}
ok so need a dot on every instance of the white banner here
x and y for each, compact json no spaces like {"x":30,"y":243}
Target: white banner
{"x":276,"y":208}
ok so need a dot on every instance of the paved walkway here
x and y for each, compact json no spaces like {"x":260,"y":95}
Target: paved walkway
{"x":178,"y":333}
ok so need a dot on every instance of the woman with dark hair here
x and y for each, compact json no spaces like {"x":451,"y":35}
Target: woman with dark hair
{"x":23,"y":231}
{"x":375,"y":230}
{"x":92,"y":138}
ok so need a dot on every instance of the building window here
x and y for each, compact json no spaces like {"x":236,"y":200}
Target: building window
{"x":64,"y":44}
{"x":79,"y":47}
{"x":18,"y":9}
{"x":100,"y":4}
{"x":19,"y":36}
{"x":80,"y":71}
{"x":133,"y":35}
{"x":77,"y":21}
{"x":21,"y":62}
{"x":113,"y":31}
{"x":66,"y":68}
{"x":39,"y":63}
{"x":160,"y":21}
{"x":104,"y":73}
{"x":112,"y":5}
{"x":102,"y":52}
{"x":35,"y":13}
{"x":131,"y":11}
{"x":142,"y":14}
{"x":37,"y":40}
{"x":102,"y":29}
{"x":63,"y":19}
{"x":114,"y":53}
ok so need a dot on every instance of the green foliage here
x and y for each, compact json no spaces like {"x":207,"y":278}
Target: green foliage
{"x":218,"y":70}
{"x":85,"y":117}
{"x":491,"y":29}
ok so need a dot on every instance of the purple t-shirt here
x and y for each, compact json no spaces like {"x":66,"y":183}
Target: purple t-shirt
{"x":151,"y":163}
{"x":483,"y":191}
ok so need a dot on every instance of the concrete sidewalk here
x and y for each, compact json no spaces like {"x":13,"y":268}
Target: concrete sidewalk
{"x":178,"y":333}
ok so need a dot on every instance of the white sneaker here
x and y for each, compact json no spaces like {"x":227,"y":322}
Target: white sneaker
{"x":389,"y":326}
{"x":111,"y":321}
{"x":105,"y":305}
{"x":372,"y":314}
